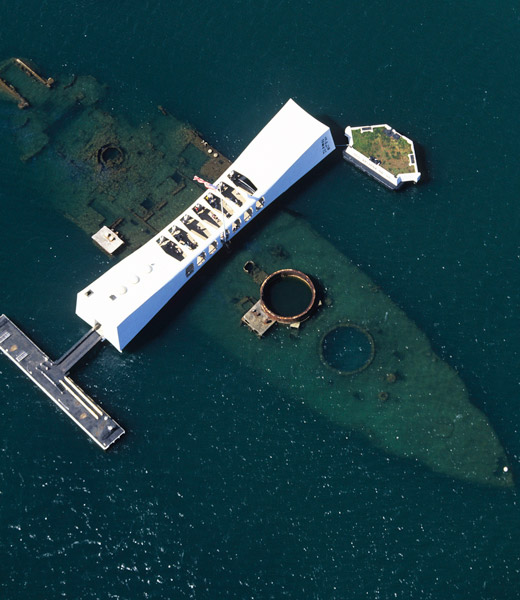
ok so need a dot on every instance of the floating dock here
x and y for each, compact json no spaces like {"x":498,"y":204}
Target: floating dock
{"x":52,"y":378}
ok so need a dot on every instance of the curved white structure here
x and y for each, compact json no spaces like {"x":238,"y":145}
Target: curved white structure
{"x":125,"y":298}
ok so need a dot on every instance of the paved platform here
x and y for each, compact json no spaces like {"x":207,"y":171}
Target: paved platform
{"x":108,"y":240}
{"x":257,"y":320}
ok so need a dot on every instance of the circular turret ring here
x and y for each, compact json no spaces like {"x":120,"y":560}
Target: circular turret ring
{"x":276,"y":276}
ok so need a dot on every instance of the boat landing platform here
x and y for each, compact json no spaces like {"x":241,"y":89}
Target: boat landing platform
{"x":52,"y":378}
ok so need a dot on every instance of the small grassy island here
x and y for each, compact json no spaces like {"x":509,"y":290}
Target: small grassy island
{"x":383,"y":153}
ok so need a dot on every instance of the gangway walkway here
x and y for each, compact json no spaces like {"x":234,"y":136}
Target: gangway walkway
{"x":63,"y":365}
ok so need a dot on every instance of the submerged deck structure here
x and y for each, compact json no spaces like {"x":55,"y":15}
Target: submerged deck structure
{"x":125,"y":298}
{"x":105,"y":171}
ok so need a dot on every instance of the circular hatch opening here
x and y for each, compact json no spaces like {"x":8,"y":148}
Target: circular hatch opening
{"x":110,"y":156}
{"x":347,"y":348}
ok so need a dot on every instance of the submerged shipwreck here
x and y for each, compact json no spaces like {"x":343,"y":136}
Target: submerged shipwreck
{"x":361,"y":361}
{"x":131,"y":178}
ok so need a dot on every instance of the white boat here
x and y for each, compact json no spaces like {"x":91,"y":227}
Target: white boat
{"x":125,"y":298}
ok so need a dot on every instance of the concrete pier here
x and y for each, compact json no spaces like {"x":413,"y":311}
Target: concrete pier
{"x":52,"y":378}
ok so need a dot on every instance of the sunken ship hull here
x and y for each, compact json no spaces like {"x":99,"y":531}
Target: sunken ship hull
{"x":402,"y":397}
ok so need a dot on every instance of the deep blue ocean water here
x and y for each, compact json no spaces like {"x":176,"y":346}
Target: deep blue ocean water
{"x":222,"y":488}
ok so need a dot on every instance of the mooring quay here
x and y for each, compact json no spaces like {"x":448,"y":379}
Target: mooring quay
{"x":52,"y":378}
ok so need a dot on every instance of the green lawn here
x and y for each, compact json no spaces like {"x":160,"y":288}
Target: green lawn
{"x":392,"y":153}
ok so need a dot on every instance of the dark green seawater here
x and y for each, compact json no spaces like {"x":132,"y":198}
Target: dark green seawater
{"x":222,"y":487}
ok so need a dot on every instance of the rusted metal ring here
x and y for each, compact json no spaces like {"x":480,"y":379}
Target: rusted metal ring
{"x":284,"y":273}
{"x":110,"y":155}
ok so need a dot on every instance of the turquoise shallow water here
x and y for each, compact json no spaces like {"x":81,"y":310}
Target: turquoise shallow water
{"x":222,"y":487}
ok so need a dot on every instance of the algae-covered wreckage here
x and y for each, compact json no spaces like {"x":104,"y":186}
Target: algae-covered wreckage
{"x":359,"y":360}
{"x":131,"y":179}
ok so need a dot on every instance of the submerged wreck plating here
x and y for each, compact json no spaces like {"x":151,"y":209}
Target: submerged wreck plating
{"x":103,"y":170}
{"x":403,"y":397}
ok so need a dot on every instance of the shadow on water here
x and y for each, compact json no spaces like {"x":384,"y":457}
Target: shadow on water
{"x":423,"y":163}
{"x":337,"y":130}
